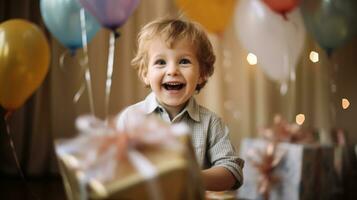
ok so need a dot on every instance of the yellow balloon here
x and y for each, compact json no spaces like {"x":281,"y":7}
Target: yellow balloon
{"x":214,"y":15}
{"x":24,"y":61}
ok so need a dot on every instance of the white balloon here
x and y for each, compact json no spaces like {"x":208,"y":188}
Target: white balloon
{"x":275,"y":41}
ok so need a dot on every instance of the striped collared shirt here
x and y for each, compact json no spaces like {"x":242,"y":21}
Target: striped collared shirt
{"x":210,"y":137}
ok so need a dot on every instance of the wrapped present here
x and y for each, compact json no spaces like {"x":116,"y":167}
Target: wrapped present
{"x":291,"y":171}
{"x":283,"y":131}
{"x":345,"y":161}
{"x":151,"y":160}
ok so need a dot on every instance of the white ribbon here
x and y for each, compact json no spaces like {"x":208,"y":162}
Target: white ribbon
{"x":85,"y":64}
{"x":108,"y":82}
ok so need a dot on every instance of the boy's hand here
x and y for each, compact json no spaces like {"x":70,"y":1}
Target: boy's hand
{"x":218,"y":179}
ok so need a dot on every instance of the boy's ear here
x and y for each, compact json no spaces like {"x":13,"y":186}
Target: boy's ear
{"x":145,"y":78}
{"x":201,"y":79}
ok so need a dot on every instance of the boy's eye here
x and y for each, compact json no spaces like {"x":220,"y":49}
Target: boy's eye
{"x":160,"y":62}
{"x":185,"y":61}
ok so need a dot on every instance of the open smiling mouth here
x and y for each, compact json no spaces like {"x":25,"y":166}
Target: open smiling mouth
{"x":173,"y":86}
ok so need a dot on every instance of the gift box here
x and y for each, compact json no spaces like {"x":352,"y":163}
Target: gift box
{"x":348,"y":171}
{"x":154,"y":161}
{"x":297,"y":172}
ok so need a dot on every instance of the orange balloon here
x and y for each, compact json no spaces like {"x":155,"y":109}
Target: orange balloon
{"x":24,"y":61}
{"x":214,"y":15}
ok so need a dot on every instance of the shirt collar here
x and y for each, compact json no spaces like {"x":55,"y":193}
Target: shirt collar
{"x":150,"y":103}
{"x":192,"y":108}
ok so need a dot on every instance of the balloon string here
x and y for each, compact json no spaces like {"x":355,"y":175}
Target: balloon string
{"x":13,"y":149}
{"x":79,"y":93}
{"x":84,"y":63}
{"x":333,"y":89}
{"x":291,"y":75}
{"x":108,"y":82}
{"x":62,"y":58}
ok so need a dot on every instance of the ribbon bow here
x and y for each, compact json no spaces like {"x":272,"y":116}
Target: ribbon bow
{"x":266,"y":161}
{"x":99,"y":148}
{"x":282,"y":131}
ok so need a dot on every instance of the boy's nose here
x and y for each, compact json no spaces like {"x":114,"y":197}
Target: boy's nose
{"x":172,"y":70}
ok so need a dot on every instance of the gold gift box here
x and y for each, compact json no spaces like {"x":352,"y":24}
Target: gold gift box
{"x":178,"y":177}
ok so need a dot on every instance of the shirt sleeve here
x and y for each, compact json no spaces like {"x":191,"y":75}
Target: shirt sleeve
{"x":121,"y":120}
{"x":222,"y":153}
{"x":129,"y":116}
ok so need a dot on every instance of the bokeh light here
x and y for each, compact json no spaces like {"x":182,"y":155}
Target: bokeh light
{"x":345,"y":103}
{"x":314,"y":56}
{"x":300,"y":118}
{"x":252,"y":59}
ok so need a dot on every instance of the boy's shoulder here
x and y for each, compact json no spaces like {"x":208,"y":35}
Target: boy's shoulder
{"x":206,"y":113}
{"x":129,"y":113}
{"x":134,"y":108}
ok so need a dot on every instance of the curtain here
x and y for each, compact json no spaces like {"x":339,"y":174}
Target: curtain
{"x":241,"y":94}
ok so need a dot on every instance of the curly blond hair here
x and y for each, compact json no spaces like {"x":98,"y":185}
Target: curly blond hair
{"x":173,"y":30}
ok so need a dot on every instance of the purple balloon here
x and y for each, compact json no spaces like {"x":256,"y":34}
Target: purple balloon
{"x":111,"y":14}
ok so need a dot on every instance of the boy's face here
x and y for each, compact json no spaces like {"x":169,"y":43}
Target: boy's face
{"x":173,"y":73}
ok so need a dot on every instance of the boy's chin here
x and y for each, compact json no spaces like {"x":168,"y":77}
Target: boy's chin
{"x":174,"y":104}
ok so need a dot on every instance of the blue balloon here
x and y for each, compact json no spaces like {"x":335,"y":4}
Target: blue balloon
{"x":62,"y":18}
{"x":332,"y":23}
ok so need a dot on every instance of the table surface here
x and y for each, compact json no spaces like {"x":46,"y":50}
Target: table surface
{"x":52,"y":188}
{"x":32,"y":189}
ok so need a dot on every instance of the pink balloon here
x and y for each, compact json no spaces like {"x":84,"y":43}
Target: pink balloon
{"x":282,"y":7}
{"x":111,"y":14}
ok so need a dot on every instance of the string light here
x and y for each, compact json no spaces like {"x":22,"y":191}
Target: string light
{"x":252,"y":59}
{"x":314,"y":56}
{"x":345,"y":103}
{"x":300,"y":118}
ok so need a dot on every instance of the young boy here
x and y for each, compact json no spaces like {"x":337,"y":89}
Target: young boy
{"x":175,"y":59}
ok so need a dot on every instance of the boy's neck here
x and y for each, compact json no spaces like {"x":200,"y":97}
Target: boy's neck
{"x":173,"y":111}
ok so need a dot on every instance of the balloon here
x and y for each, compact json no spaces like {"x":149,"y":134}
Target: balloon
{"x":111,"y":14}
{"x":282,"y":6}
{"x":332,"y":23}
{"x":24,"y":60}
{"x":276,"y":42}
{"x":214,"y":15}
{"x":62,"y":18}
